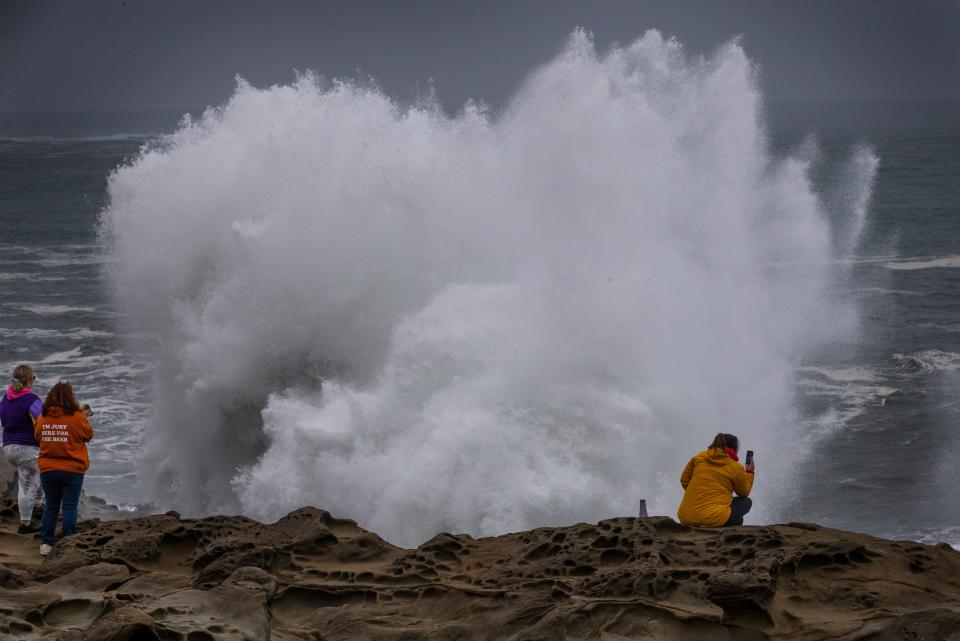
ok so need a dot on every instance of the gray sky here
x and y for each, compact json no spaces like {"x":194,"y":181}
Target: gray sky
{"x":184,"y":54}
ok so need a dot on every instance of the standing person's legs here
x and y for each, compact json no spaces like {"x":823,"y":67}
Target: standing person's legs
{"x":24,"y":458}
{"x":53,"y":493}
{"x":72,"y":484}
{"x":738,"y":508}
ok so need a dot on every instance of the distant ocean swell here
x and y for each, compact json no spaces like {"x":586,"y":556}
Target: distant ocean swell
{"x":478,"y":323}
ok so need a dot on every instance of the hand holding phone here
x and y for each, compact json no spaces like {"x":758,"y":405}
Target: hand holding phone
{"x":749,"y":461}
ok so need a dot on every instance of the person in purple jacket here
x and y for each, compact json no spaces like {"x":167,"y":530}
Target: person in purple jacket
{"x":19,"y":409}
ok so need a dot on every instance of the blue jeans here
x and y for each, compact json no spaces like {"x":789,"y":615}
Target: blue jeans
{"x":59,"y":487}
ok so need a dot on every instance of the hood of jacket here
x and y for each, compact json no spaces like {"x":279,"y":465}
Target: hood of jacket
{"x":716,"y":456}
{"x":12,"y":396}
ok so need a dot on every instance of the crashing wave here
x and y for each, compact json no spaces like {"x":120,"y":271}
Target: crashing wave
{"x":476,"y":323}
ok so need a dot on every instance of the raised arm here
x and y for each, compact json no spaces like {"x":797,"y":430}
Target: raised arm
{"x":743,"y":480}
{"x":86,"y":430}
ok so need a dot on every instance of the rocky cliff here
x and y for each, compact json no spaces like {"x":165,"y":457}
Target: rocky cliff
{"x":313,"y":576}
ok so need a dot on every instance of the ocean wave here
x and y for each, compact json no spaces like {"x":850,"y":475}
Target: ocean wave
{"x":948,"y":327}
{"x":856,"y":397}
{"x":932,"y":536}
{"x":858,"y":484}
{"x":49,"y":309}
{"x":843,"y":375}
{"x":882,"y":291}
{"x":482,"y":322}
{"x":52,"y":256}
{"x":947,"y":262}
{"x":113,"y":369}
{"x":112,"y":477}
{"x":39,"y":334}
{"x":927,"y":361}
{"x":72,"y":261}
{"x":851,"y":392}
{"x":31,"y":277}
{"x":70,"y":356}
{"x":60,"y":262}
{"x":95,"y":366}
{"x":46,"y":248}
{"x":845,"y":261}
{"x":7,"y":249}
{"x":118,"y":137}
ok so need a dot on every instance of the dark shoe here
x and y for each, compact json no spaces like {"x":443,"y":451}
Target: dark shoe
{"x":27,"y":529}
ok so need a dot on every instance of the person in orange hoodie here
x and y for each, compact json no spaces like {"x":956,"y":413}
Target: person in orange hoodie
{"x":63,"y":432}
{"x":708,"y":481}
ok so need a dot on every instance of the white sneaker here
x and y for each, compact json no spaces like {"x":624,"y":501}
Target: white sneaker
{"x":45,"y":549}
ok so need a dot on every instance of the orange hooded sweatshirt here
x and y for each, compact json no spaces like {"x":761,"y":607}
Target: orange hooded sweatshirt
{"x":63,"y":441}
{"x":708,"y":482}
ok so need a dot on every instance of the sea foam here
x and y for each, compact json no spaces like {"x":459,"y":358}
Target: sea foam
{"x":484,"y":322}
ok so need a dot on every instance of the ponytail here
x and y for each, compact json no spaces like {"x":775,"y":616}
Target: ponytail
{"x":22,"y":377}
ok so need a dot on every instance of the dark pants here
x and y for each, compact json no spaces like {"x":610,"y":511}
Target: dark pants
{"x":738,"y":508}
{"x":59,"y":487}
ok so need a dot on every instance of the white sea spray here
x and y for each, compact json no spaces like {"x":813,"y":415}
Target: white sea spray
{"x":483,"y":322}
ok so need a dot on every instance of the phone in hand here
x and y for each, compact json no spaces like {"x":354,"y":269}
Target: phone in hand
{"x":749,"y":457}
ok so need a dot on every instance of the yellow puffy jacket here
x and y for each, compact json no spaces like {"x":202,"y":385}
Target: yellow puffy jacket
{"x":708,"y":481}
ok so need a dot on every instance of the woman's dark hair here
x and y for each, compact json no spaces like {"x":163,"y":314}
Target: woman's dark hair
{"x":724,"y":441}
{"x":61,"y":395}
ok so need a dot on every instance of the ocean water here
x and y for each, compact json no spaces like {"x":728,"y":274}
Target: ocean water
{"x":883,"y":410}
{"x":487,"y":322}
{"x":56,"y":314}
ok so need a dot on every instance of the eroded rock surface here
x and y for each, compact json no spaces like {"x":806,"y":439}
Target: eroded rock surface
{"x":314,"y":577}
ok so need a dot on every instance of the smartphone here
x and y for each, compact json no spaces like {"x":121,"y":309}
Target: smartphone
{"x":749,"y":457}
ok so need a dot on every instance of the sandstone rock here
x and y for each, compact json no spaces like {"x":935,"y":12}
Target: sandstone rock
{"x":254,"y":578}
{"x":92,"y":579}
{"x":12,"y":579}
{"x":152,"y":585}
{"x":123,"y":624}
{"x":931,"y":625}
{"x":224,"y":613}
{"x":313,"y":576}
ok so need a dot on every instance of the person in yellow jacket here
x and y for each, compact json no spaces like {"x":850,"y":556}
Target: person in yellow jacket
{"x":709,"y":480}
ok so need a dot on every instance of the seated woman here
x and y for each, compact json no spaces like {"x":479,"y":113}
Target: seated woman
{"x":709,"y":480}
